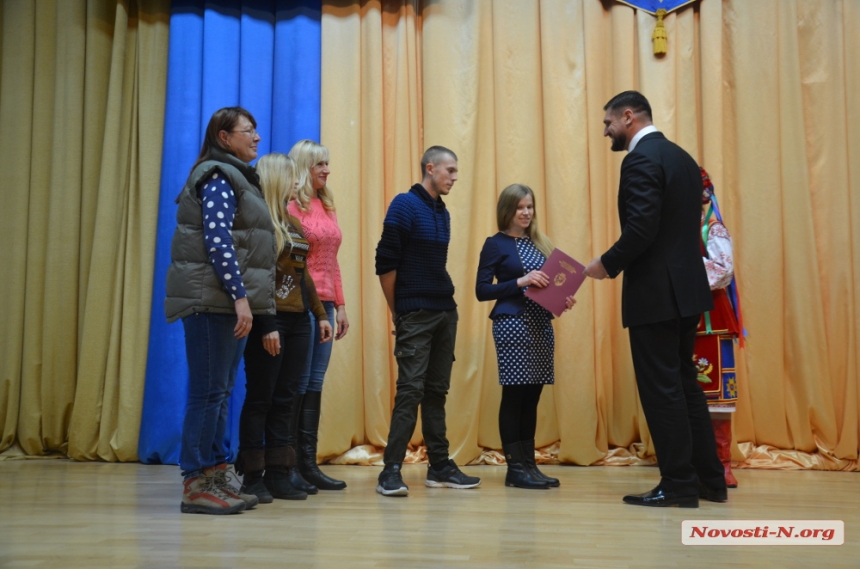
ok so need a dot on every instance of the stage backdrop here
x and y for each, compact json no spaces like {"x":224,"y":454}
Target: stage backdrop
{"x":761,"y":93}
{"x":82,"y":111}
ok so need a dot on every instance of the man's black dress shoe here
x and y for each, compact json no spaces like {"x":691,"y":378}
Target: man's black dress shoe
{"x":705,"y":493}
{"x":661,"y":498}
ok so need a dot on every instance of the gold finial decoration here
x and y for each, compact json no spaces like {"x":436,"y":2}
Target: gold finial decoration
{"x":659,"y":36}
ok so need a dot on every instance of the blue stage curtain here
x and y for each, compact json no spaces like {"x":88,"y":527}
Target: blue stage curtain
{"x":263,"y":55}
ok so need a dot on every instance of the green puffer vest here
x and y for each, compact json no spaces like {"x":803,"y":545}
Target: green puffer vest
{"x":192,"y":283}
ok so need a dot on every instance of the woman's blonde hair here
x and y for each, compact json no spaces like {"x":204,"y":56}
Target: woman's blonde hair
{"x":277,"y":178}
{"x":306,"y":154}
{"x":507,"y":209}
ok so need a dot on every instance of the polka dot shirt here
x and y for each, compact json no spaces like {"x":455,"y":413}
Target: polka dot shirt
{"x":219,"y":209}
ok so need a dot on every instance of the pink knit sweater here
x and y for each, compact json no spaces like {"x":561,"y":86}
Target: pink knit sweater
{"x":321,"y":230}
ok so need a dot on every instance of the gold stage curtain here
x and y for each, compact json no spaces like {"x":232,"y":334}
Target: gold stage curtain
{"x":82,"y":109}
{"x":761,"y":93}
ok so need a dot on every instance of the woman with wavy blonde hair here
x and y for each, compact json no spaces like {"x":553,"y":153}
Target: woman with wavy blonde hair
{"x":511,"y":261}
{"x":276,"y":350}
{"x":314,"y":207}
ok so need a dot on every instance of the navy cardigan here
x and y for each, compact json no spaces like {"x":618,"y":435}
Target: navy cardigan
{"x":500,"y":261}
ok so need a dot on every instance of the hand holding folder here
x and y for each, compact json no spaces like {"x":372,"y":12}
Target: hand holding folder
{"x":566,"y":275}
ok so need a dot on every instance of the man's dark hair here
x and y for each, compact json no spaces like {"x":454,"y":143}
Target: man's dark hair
{"x":633,"y":100}
{"x":432,"y":156}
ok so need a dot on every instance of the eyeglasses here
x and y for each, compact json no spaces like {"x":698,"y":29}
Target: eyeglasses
{"x":252,"y":133}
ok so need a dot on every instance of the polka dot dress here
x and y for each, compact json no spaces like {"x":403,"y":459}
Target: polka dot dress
{"x":525,"y":344}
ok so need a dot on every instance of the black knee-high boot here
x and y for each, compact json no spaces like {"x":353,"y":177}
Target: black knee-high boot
{"x":308,"y":428}
{"x":292,"y":441}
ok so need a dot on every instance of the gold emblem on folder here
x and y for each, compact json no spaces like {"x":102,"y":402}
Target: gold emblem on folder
{"x":559,"y":279}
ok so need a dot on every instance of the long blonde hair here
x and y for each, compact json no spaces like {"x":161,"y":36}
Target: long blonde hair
{"x":507,"y":209}
{"x":307,"y":153}
{"x":277,"y":177}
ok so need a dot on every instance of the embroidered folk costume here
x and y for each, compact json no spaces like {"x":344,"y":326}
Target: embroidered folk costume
{"x":720,"y":328}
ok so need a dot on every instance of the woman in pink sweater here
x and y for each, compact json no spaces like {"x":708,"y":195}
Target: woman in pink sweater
{"x":314,"y":207}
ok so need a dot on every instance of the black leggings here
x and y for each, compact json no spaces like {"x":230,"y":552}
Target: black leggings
{"x":272,"y":383}
{"x":518,"y":412}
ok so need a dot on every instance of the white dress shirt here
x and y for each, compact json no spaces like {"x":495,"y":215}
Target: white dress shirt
{"x":647,"y":130}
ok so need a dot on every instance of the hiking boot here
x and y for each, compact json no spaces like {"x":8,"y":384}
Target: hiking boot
{"x":221,"y":476}
{"x":201,"y":496}
{"x":391,"y":482}
{"x":450,"y":477}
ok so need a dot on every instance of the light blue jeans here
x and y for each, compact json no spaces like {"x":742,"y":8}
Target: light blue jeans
{"x":213,"y":355}
{"x":318,"y":354}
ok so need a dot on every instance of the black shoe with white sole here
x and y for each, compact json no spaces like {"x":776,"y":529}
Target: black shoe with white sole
{"x":391,"y":482}
{"x":450,"y":477}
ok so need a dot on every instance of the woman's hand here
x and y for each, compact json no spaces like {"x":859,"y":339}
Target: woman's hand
{"x":569,"y":302}
{"x":272,"y":343}
{"x":244,"y":318}
{"x":342,"y":322}
{"x":325,"y":331}
{"x":538,"y":279}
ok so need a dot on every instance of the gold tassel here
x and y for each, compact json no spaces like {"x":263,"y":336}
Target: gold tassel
{"x":659,"y":36}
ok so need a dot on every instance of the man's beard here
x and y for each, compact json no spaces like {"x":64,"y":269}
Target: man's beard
{"x":618,"y":143}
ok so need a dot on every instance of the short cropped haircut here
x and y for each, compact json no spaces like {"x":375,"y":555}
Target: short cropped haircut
{"x":633,"y":100}
{"x":432,"y":156}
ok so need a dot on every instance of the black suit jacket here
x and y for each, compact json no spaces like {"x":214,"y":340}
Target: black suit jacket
{"x":660,"y":209}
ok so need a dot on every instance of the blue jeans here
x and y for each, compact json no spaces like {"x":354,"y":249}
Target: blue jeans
{"x":318,"y":354}
{"x":213,"y":355}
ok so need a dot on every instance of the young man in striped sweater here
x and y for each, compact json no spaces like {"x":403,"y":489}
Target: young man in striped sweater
{"x":411,"y":263}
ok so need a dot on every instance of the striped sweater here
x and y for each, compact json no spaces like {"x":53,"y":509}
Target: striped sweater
{"x":415,"y":237}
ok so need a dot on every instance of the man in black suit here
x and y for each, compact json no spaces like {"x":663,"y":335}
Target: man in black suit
{"x":664,"y":293}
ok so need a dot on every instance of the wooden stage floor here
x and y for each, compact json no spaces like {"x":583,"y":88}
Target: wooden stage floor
{"x":59,"y":514}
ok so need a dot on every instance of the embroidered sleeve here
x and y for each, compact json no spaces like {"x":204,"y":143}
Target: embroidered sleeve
{"x":719,"y":263}
{"x":219,"y":209}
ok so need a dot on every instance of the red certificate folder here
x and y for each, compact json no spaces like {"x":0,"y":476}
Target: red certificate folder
{"x":566,"y":275}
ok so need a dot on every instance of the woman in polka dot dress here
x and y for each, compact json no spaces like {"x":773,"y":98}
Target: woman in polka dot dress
{"x":522,"y":330}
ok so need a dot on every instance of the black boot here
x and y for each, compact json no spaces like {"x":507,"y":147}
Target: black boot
{"x":292,"y":441}
{"x":529,"y":455}
{"x":299,"y":482}
{"x":252,"y":483}
{"x":251,"y":463}
{"x":276,"y":479}
{"x":309,"y":424}
{"x":519,"y":474}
